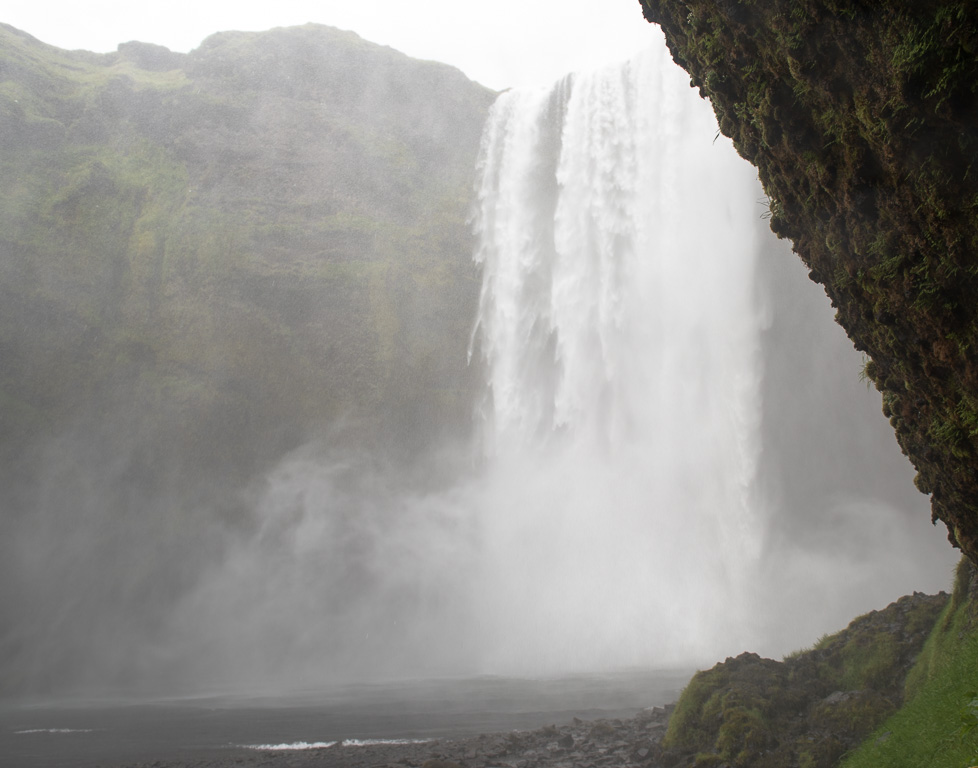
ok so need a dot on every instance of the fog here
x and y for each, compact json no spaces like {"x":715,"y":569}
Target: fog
{"x":673,"y":459}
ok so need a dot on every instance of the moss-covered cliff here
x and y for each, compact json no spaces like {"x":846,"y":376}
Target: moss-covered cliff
{"x":207,"y":260}
{"x":862,"y":120}
{"x":810,"y":708}
{"x":894,"y":688}
{"x":236,"y":247}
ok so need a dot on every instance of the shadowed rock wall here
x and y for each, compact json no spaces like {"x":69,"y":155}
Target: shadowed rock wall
{"x":862,"y":122}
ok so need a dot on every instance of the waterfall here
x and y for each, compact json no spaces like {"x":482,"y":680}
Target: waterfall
{"x":677,"y":461}
{"x":619,"y":325}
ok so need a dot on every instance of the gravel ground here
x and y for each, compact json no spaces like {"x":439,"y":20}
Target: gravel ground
{"x":623,"y":743}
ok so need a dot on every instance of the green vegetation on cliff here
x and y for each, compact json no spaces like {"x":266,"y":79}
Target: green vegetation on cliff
{"x":808,"y":710}
{"x":895,"y":688}
{"x":208,"y":260}
{"x":937,"y":725}
{"x":863,"y":123}
{"x":238,"y":246}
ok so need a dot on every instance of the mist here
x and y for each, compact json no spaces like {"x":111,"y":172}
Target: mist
{"x":671,"y":458}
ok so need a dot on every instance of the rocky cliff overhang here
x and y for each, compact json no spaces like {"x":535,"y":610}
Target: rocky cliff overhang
{"x":862,"y":120}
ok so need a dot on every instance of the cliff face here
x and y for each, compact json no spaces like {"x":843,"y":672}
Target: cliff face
{"x":207,"y":260}
{"x":863,"y":124}
{"x":231,"y":249}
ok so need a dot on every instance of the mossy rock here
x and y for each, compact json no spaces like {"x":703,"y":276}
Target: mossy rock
{"x":743,"y":736}
{"x":762,"y":713}
{"x":860,"y":119}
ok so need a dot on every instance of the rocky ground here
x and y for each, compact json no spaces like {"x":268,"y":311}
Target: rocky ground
{"x":580,"y":744}
{"x":746,"y":712}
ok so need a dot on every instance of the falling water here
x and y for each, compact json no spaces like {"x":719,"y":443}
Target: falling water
{"x":620,"y":328}
{"x":677,"y":462}
{"x":611,"y":521}
{"x":631,"y":506}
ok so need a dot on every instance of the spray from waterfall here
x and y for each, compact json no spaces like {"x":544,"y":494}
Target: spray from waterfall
{"x":620,"y":329}
{"x":675,"y":461}
{"x":630,"y":505}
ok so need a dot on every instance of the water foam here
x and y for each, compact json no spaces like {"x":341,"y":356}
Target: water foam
{"x":291,"y":746}
{"x":305,"y":745}
{"x":56,"y":730}
{"x":619,"y":328}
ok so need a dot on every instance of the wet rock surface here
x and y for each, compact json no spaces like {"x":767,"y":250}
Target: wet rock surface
{"x":860,"y":119}
{"x":580,"y":744}
{"x":812,"y":707}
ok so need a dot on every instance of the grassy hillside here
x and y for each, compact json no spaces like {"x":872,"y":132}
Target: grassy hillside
{"x":938,"y":725}
{"x":895,"y":688}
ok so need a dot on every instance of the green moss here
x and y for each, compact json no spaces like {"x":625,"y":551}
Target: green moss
{"x":699,"y":701}
{"x":860,"y":122}
{"x":927,"y":730}
{"x":250,"y":237}
{"x":812,"y":707}
{"x":855,"y":713}
{"x":708,"y":760}
{"x":743,"y":735}
{"x":869,"y":662}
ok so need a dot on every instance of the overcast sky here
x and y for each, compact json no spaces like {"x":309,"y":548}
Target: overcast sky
{"x":501,"y":44}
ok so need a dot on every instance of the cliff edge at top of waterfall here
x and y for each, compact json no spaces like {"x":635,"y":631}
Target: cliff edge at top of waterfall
{"x":861,"y":121}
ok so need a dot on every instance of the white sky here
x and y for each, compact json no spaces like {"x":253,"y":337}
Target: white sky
{"x":499,"y":43}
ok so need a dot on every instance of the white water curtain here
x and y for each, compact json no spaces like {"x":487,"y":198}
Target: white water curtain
{"x":620,"y":329}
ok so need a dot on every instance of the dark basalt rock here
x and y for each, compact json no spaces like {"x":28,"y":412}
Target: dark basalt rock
{"x":863,"y":123}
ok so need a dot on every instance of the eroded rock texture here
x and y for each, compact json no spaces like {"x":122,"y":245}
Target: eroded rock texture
{"x":862,"y":120}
